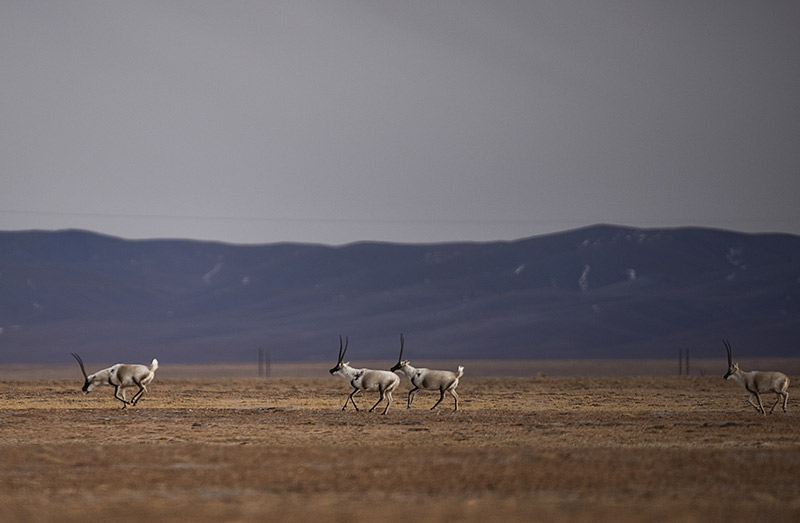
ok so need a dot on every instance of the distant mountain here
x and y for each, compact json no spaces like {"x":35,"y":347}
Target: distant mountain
{"x":597,"y":292}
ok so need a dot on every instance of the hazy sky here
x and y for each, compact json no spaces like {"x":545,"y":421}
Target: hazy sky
{"x":408,"y":121}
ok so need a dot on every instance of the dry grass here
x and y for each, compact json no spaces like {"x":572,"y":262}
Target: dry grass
{"x":521,"y":449}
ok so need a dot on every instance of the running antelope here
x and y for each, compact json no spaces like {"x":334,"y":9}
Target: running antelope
{"x":441,"y":380}
{"x":365,"y":379}
{"x":120,"y":376}
{"x":756,"y":382}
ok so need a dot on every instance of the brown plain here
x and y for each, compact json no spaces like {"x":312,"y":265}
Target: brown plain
{"x":204,"y":446}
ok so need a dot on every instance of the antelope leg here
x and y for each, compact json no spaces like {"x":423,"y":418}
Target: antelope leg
{"x":380,"y":399}
{"x":455,"y":397}
{"x":122,"y":399}
{"x":388,"y":402}
{"x":136,"y":397}
{"x":411,"y":394}
{"x":350,"y":398}
{"x":441,"y":397}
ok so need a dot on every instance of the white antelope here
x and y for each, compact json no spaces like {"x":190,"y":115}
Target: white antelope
{"x":441,"y":380}
{"x":120,"y":376}
{"x":365,"y":379}
{"x":757,"y":382}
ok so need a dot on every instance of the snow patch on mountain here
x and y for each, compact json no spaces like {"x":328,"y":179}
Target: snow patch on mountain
{"x":210,"y":274}
{"x":583,"y":281}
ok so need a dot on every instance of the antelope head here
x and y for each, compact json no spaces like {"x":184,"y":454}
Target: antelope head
{"x":400,"y":363}
{"x":342,"y":352}
{"x":733,"y":368}
{"x":90,"y":382}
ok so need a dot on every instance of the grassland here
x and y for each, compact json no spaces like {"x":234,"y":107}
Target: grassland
{"x":523,"y":448}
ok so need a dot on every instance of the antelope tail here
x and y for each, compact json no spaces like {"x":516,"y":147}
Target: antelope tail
{"x":460,"y":372}
{"x":154,"y":365}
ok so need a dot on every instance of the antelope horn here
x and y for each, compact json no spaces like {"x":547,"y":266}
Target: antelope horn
{"x":402,"y":343}
{"x":728,"y":348}
{"x":346,"y":343}
{"x":80,"y":362}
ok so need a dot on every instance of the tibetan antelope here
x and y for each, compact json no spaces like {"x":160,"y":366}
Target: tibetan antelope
{"x":441,"y":380}
{"x":120,"y":376}
{"x":365,"y":379}
{"x":757,"y":382}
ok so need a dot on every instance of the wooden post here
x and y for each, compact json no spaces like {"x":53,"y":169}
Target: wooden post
{"x":687,"y":362}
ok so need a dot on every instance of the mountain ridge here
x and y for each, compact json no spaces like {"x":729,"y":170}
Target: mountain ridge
{"x":601,"y":291}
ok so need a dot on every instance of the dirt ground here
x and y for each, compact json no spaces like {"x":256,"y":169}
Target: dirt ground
{"x":281,"y":449}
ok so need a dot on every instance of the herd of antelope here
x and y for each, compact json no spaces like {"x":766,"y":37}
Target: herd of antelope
{"x":385,"y":381}
{"x":123,"y":376}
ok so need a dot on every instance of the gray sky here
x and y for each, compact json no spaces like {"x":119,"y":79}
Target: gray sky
{"x":414,"y":121}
